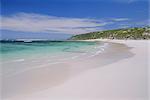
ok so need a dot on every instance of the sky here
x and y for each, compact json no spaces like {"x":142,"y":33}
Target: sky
{"x":60,"y":19}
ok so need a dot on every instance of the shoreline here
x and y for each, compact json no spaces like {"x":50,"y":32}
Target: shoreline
{"x":123,"y":79}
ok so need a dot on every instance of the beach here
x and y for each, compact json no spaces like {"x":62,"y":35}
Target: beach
{"x":119,"y":71}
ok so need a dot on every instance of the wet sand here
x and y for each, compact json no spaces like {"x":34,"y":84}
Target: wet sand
{"x":119,"y":73}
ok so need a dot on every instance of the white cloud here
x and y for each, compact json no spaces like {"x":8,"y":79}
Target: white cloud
{"x":120,"y":19}
{"x":30,"y":22}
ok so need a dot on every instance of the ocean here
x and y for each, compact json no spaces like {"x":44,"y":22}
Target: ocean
{"x":18,"y":57}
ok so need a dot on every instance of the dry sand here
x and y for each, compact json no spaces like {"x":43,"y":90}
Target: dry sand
{"x":120,"y":73}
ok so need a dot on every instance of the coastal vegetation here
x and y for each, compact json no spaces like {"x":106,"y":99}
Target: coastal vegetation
{"x":136,"y":33}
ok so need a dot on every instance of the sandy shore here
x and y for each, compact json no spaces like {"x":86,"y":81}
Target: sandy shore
{"x":119,"y":74}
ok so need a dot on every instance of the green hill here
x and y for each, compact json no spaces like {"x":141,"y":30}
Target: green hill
{"x":128,"y":33}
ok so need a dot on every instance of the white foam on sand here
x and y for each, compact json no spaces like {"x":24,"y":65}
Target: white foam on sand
{"x":100,"y":49}
{"x":18,"y":60}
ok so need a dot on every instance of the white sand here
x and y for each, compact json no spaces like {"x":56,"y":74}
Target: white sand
{"x":125,"y":79}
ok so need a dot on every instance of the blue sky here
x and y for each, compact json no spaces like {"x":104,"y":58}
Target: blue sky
{"x":59,"y":19}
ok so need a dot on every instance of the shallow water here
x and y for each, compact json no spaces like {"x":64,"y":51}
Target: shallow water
{"x":14,"y":55}
{"x":20,"y":51}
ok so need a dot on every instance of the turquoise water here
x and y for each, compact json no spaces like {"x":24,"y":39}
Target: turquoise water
{"x":18,"y":57}
{"x":16,"y":50}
